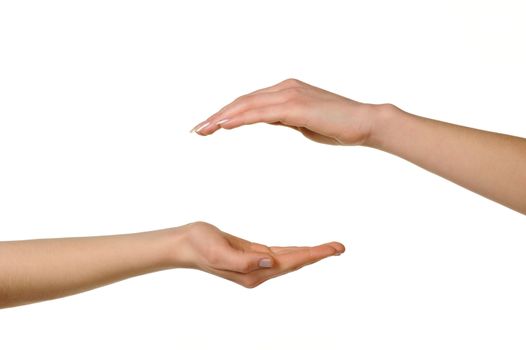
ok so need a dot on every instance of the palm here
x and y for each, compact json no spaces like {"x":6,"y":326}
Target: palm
{"x":239,"y":260}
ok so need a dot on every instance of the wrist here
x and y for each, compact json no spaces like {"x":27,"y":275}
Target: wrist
{"x":177,"y":250}
{"x":166,"y":245}
{"x":385,"y":121}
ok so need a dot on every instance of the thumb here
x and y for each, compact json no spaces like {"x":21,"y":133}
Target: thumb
{"x":245,"y":262}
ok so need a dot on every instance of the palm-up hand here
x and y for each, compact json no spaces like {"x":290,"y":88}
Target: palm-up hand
{"x":205,"y":247}
{"x":320,"y":115}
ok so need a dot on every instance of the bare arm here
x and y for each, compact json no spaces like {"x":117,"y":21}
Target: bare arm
{"x":36,"y":270}
{"x":491,"y":164}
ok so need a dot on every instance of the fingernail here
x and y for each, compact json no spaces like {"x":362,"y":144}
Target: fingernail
{"x":339,"y":252}
{"x":202,"y":127}
{"x":222,"y":121}
{"x":265,"y":263}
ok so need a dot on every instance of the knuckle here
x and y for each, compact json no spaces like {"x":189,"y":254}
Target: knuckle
{"x":293,"y":92}
{"x":242,"y":99}
{"x":244,"y":267}
{"x":292,"y":82}
{"x":200,"y":226}
{"x":385,"y":108}
{"x":239,"y":104}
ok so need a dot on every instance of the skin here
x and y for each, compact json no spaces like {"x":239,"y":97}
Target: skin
{"x":490,"y":164}
{"x":36,"y":270}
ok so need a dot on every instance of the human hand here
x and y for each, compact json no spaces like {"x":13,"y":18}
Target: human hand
{"x":203,"y":246}
{"x":318,"y":114}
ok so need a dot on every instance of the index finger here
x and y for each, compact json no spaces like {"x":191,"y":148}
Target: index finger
{"x":293,"y":258}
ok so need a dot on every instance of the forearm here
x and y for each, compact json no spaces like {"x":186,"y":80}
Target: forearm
{"x":36,"y":270}
{"x":491,"y":164}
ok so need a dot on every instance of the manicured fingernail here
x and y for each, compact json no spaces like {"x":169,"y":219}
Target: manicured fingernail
{"x":265,"y":263}
{"x":222,"y":121}
{"x":202,"y":127}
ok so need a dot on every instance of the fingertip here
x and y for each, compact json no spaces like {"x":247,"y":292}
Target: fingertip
{"x":334,"y":248}
{"x":207,"y":129}
{"x":339,"y":247}
{"x":199,"y":128}
{"x":194,"y":128}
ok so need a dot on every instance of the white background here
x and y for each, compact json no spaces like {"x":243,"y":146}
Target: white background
{"x":96,"y":101}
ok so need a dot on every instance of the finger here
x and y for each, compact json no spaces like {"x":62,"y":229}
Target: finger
{"x":252,"y":102}
{"x":283,"y":85}
{"x":288,"y":126}
{"x":260,"y":248}
{"x":274,"y":88}
{"x":293,"y":258}
{"x":289,"y":259}
{"x":339,"y":248}
{"x":284,"y":113}
{"x":268,"y":114}
{"x":284,"y":250}
{"x":243,"y":262}
{"x":298,"y":258}
{"x":202,"y":125}
{"x":242,"y":104}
